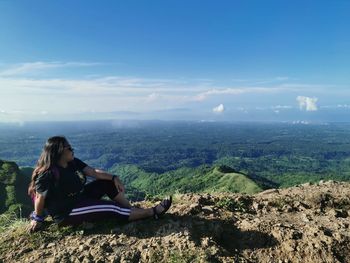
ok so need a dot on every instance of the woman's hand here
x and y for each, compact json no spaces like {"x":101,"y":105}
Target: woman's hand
{"x":118,"y":184}
{"x":35,"y":226}
{"x":99,"y":174}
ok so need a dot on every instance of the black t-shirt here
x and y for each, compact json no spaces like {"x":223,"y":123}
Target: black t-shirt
{"x":61,"y":187}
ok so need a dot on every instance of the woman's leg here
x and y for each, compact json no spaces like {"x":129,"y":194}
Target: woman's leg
{"x":158,"y":210}
{"x":94,"y":210}
{"x":99,"y":188}
{"x":140,"y":213}
{"x":121,"y":200}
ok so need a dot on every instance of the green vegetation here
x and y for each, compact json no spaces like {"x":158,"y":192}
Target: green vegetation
{"x":10,"y":198}
{"x":230,"y":204}
{"x":13,"y":189}
{"x":177,"y":256}
{"x":153,"y":157}
{"x":185,"y":180}
{"x":8,"y":174}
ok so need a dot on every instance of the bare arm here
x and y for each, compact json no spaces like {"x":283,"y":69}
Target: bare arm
{"x":38,"y":209}
{"x":39,"y":204}
{"x":102,"y":175}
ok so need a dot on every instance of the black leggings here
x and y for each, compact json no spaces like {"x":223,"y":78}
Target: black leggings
{"x":99,"y":188}
{"x":90,"y":208}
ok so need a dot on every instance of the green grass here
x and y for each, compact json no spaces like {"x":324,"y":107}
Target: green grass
{"x":11,"y":222}
{"x":183,"y":256}
{"x":231,"y":182}
{"x":14,"y":229}
{"x":230,"y":204}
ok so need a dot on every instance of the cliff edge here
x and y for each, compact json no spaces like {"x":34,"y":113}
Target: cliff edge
{"x":306,"y":223}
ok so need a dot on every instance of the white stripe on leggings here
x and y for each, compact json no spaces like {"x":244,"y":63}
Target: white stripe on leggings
{"x":100,"y":206}
{"x":99,"y":210}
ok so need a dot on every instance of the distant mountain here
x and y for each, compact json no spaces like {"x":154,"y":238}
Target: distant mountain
{"x":184,"y":180}
{"x":13,"y":188}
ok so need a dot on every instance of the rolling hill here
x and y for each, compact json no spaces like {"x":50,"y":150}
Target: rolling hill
{"x":185,"y":180}
{"x":139,"y":183}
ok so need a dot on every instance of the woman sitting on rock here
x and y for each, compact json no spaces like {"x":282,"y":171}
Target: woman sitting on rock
{"x":58,"y":187}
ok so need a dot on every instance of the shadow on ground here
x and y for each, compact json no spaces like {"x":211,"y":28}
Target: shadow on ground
{"x":223,"y":232}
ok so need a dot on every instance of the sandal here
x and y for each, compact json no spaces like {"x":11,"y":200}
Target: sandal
{"x":166,"y":203}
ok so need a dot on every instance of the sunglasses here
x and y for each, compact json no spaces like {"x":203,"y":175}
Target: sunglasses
{"x":69,"y":148}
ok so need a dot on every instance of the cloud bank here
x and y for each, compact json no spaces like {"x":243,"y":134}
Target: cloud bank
{"x":38,"y":90}
{"x":307,"y":103}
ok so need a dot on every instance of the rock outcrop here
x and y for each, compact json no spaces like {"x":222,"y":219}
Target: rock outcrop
{"x":306,"y":223}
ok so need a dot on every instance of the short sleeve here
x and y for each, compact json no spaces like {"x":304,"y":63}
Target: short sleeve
{"x":42,"y":183}
{"x":79,"y":164}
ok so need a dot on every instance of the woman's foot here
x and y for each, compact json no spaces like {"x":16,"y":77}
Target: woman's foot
{"x":160,"y":209}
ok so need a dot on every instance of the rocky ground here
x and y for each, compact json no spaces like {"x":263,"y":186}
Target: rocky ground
{"x":307,"y":223}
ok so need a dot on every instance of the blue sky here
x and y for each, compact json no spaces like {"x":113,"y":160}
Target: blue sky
{"x":190,"y":60}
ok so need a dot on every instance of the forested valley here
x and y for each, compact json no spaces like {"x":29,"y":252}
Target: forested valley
{"x":283,"y":153}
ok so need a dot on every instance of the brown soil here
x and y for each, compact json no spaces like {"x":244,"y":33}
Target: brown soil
{"x":307,"y":223}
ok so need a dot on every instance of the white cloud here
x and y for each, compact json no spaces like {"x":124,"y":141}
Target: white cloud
{"x":153,"y":97}
{"x":338,"y":106}
{"x":45,"y":95}
{"x":279,"y":107}
{"x":204,"y":95}
{"x":274,"y":108}
{"x":237,"y":91}
{"x":219,"y":109}
{"x":82,"y":87}
{"x":106,"y":94}
{"x":346,"y":106}
{"x":25,"y":68}
{"x":271,"y":80}
{"x":307,"y":103}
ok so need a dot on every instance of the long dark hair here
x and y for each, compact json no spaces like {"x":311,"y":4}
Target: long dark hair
{"x":49,"y":157}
